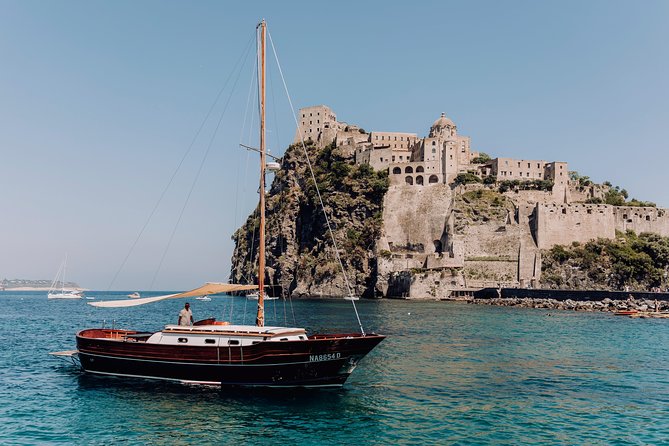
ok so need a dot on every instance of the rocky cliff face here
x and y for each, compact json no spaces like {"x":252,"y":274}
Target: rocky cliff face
{"x":300,"y":256}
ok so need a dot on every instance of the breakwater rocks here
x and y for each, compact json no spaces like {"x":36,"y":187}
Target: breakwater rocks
{"x":606,"y":304}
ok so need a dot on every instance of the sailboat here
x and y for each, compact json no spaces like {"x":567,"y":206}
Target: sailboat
{"x":60,"y":292}
{"x":217,"y":353}
{"x":256,"y":296}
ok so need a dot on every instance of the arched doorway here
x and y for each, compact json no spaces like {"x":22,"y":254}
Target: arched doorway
{"x":433,"y":179}
{"x":409,"y":180}
{"x":397,"y":170}
{"x":419,"y":180}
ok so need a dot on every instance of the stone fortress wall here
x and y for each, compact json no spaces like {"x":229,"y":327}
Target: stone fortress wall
{"x":427,"y":251}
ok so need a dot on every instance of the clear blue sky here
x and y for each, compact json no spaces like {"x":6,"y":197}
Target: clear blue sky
{"x":99,"y":101}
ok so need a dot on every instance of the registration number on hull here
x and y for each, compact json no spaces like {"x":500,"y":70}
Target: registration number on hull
{"x":324,"y":357}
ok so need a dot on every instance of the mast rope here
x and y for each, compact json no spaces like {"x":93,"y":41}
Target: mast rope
{"x":241,"y":271}
{"x":318,"y":192}
{"x":197,"y":175}
{"x":244,"y":55}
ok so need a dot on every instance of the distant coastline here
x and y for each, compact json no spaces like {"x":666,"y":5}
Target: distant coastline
{"x":28,"y":288}
{"x":34,"y":285}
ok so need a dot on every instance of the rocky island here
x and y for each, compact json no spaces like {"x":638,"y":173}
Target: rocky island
{"x":428,"y":217}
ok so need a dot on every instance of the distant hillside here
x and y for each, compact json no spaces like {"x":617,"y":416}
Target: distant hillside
{"x":28,"y":283}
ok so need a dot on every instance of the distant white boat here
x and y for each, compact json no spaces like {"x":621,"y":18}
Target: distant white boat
{"x":62,"y":293}
{"x":352,"y":298}
{"x":203,"y":298}
{"x":134,"y":295}
{"x":254,"y":296}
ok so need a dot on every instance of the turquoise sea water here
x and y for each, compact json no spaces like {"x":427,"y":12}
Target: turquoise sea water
{"x":449,"y":373}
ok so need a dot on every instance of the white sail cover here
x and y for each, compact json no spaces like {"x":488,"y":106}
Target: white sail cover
{"x":207,"y":288}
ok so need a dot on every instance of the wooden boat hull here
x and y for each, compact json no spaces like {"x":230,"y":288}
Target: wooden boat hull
{"x":320,"y":361}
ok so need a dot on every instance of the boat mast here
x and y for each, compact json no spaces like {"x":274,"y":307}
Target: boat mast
{"x":260,"y":318}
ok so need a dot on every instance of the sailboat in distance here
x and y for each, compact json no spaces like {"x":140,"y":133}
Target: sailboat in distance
{"x":216,"y":352}
{"x":57,"y":289}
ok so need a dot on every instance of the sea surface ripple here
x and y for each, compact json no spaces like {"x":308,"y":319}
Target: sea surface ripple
{"x":448,"y":373}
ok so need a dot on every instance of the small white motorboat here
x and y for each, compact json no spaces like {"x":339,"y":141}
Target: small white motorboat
{"x":134,"y":295}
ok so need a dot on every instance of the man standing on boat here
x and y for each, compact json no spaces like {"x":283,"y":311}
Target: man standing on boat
{"x":185,"y":316}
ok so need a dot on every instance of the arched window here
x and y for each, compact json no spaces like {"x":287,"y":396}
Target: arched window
{"x":434,"y":143}
{"x":420,"y":169}
{"x":419,"y":180}
{"x":409,"y":180}
{"x":433,"y":179}
{"x":409,"y":169}
{"x":397,"y":170}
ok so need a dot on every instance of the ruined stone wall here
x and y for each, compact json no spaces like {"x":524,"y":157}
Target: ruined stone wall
{"x":351,"y":137}
{"x":415,"y":217}
{"x":415,"y":223}
{"x":535,"y":196}
{"x":642,"y":219}
{"x":562,"y":224}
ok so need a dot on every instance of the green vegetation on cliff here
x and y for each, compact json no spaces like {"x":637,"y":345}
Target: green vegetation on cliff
{"x":300,"y":256}
{"x":637,"y":262}
{"x":612,"y":195}
{"x":481,"y":206}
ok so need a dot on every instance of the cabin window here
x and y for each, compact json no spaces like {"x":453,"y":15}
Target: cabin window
{"x":210,"y":341}
{"x":283,"y":339}
{"x":183,"y":340}
{"x":303,"y":337}
{"x":255,"y":342}
{"x":233,"y":342}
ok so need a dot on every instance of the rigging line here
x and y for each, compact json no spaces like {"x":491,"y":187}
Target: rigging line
{"x":247,"y":274}
{"x":274,"y":107}
{"x":197,"y":175}
{"x":244,"y":55}
{"x":239,"y":172}
{"x":292,"y":310}
{"x":283,"y":298}
{"x":318,"y":192}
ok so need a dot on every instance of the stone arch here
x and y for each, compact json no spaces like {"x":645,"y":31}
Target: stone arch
{"x":433,"y":179}
{"x":408,"y":169}
{"x":420,"y":169}
{"x":409,"y":180}
{"x":419,"y":180}
{"x":397,"y":170}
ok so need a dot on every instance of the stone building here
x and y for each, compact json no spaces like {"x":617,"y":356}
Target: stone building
{"x":525,"y":170}
{"x":435,"y":159}
{"x":445,"y":148}
{"x":318,"y":124}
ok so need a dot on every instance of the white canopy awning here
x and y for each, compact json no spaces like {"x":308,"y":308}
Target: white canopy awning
{"x":206,"y":289}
